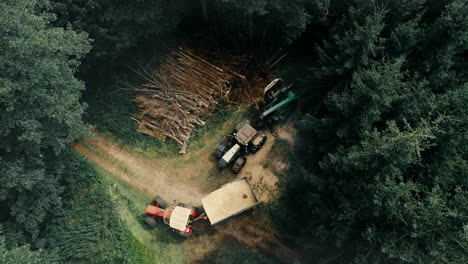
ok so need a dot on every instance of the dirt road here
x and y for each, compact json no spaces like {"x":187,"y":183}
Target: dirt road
{"x":137,"y":172}
{"x":177,"y":181}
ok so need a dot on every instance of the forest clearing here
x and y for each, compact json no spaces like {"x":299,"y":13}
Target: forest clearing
{"x":234,"y":131}
{"x":185,"y":179}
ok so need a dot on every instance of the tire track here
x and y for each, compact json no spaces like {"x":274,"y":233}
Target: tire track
{"x":149,"y":177}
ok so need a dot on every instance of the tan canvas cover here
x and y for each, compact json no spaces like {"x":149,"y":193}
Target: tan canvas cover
{"x":229,"y":200}
{"x":179,"y":218}
{"x":245,"y":134}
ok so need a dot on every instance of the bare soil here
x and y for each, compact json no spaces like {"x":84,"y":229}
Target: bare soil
{"x":139,"y":173}
{"x":187,"y":179}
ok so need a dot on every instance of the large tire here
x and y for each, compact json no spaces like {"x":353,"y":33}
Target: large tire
{"x":160,"y":202}
{"x":256,"y":148}
{"x":150,"y":220}
{"x":193,"y":208}
{"x":239,"y":164}
{"x":220,"y":150}
{"x":181,"y":234}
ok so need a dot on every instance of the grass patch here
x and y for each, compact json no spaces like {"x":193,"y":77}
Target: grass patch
{"x":86,"y":230}
{"x":224,"y":120}
{"x":102,"y":223}
{"x":231,"y":251}
{"x":280,"y":152}
{"x":105,"y":156}
{"x":110,"y":111}
{"x":112,"y":119}
{"x":158,"y":245}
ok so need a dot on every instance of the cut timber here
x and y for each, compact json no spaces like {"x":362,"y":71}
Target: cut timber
{"x":176,"y":98}
{"x":231,"y":199}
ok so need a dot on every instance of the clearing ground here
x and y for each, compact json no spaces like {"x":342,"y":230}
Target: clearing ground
{"x":190,"y":177}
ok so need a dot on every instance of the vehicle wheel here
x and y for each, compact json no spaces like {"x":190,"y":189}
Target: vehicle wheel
{"x":219,"y":152}
{"x":257,"y":148}
{"x":181,"y":234}
{"x":239,"y":164}
{"x":195,"y":209}
{"x":150,"y":220}
{"x":254,"y":149}
{"x":160,"y":202}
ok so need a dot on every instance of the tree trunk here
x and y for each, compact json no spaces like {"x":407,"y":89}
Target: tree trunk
{"x":251,"y":33}
{"x":204,"y":10}
{"x":264,"y":35}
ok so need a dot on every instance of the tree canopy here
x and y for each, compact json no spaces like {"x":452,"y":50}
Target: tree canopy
{"x":263,"y":21}
{"x":23,"y":254}
{"x":380,"y":165}
{"x":40,"y":110}
{"x":118,"y":26}
{"x":384,"y":159}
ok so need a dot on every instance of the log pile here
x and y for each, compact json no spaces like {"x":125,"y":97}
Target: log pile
{"x":175,"y":99}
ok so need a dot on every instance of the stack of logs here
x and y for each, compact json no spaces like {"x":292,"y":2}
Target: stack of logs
{"x":174,"y":99}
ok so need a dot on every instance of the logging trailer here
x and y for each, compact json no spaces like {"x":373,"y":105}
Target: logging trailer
{"x":229,"y":200}
{"x":244,"y":140}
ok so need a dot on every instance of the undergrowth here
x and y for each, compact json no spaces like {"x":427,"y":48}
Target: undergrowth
{"x":232,"y":252}
{"x":101,"y":222}
{"x":158,"y":245}
{"x":86,"y":230}
{"x":110,"y":111}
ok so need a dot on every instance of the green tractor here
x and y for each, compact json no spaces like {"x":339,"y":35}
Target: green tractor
{"x":279,"y":101}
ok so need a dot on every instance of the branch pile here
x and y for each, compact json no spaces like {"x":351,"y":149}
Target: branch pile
{"x":174,"y":99}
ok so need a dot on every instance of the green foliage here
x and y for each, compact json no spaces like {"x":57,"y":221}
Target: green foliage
{"x":232,"y":252}
{"x":382,"y":163}
{"x":354,"y":42}
{"x":269,"y":22}
{"x":88,"y":229}
{"x":371,"y":93}
{"x":111,"y":111}
{"x":118,"y":25}
{"x":25,"y":255}
{"x":40,"y":112}
{"x":382,"y":166}
{"x":443,"y":45}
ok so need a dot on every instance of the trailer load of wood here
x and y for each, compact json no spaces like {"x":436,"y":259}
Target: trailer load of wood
{"x":176,"y":98}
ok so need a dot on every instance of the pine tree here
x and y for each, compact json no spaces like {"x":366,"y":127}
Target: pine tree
{"x":118,"y":26}
{"x":263,"y":22}
{"x":382,"y":166}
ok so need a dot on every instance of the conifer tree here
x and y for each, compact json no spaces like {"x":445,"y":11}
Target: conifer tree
{"x":382,"y":166}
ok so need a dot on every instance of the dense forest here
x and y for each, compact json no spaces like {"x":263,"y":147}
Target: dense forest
{"x":379,"y":172}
